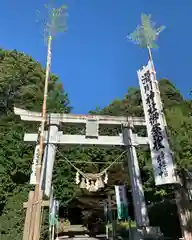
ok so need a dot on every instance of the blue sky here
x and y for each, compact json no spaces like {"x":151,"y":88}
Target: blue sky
{"x":93,"y":58}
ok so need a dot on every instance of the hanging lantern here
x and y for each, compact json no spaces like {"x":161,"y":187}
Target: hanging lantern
{"x":106,"y":178}
{"x":77,"y":178}
{"x":92,"y":187}
{"x":83,"y":184}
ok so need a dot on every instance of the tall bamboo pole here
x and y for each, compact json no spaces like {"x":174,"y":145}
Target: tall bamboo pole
{"x":151,"y":60}
{"x":36,"y":221}
{"x":56,"y":23}
{"x":184,"y":214}
{"x":150,"y":53}
{"x":145,"y":35}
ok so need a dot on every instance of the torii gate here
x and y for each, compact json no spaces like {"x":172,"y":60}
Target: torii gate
{"x":126,"y":139}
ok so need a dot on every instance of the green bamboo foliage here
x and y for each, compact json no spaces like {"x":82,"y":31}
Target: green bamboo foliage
{"x":146,"y":34}
{"x":57,"y":20}
{"x":54,"y":20}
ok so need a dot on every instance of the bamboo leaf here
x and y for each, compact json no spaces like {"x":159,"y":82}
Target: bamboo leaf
{"x":54,"y":20}
{"x":146,"y":34}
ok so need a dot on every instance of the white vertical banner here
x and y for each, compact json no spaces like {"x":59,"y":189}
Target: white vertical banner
{"x":50,"y":209}
{"x":33,"y":179}
{"x":53,"y":213}
{"x":122,"y":203}
{"x":162,"y":160}
{"x":48,"y":160}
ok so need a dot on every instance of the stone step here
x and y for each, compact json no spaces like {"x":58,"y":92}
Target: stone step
{"x":77,"y":238}
{"x":82,"y":237}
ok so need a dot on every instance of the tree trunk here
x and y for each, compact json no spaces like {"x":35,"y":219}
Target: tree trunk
{"x":184,"y":212}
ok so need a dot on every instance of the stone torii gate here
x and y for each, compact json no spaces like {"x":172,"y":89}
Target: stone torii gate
{"x":126,"y":139}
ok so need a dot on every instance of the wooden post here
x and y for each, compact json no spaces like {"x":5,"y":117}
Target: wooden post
{"x":30,"y":219}
{"x":37,"y":217}
{"x":27,"y":226}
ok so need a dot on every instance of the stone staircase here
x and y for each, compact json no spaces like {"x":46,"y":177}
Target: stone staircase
{"x":76,"y":232}
{"x":85,"y":237}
